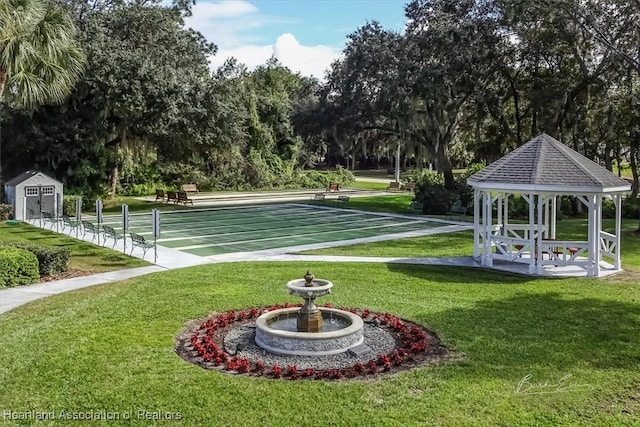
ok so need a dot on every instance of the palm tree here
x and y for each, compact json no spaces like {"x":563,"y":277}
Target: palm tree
{"x":40,"y":59}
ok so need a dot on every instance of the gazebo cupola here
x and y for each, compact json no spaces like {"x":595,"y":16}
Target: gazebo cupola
{"x":541,"y":171}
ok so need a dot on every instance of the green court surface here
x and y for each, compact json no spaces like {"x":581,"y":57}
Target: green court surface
{"x":206,"y":232}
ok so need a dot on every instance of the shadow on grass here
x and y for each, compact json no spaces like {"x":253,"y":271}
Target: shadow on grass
{"x":544,"y":330}
{"x":459,"y":275}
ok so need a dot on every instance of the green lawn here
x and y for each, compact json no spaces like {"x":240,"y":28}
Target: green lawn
{"x":84,"y":256}
{"x":366,"y":185}
{"x":397,"y":203}
{"x":110,"y":348}
{"x":461,"y":244}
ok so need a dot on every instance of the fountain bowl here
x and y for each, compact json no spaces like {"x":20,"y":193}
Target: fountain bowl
{"x":291,"y":342}
{"x":317,"y":288}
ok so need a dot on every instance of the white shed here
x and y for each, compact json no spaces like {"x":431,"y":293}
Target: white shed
{"x":33,"y":192}
{"x":543,"y":170}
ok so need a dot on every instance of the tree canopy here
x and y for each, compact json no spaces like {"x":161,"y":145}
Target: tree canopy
{"x":466,"y":81}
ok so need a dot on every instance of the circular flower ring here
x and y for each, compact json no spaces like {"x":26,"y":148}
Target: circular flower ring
{"x":203,"y":345}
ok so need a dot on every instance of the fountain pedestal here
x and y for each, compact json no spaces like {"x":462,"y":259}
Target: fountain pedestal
{"x":309,"y":317}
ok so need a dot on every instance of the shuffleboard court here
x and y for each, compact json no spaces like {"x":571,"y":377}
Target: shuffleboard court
{"x":207,"y":232}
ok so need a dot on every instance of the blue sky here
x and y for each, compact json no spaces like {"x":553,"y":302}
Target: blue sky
{"x":305,"y":35}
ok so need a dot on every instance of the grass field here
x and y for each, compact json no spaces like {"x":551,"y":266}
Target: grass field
{"x":536,"y":352}
{"x":85,"y":256}
{"x":461,"y":244}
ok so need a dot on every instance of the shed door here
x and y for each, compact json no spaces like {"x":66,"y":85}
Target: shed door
{"x":33,"y":201}
{"x":47,"y":198}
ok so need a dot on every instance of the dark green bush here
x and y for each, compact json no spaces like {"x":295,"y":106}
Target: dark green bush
{"x":342,"y":176}
{"x":69,"y":204}
{"x":630,"y":208}
{"x":17,"y":267}
{"x":430,"y":191}
{"x":6,"y":212}
{"x":51,"y":259}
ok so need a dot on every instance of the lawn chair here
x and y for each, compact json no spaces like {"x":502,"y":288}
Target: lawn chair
{"x":89,"y":227}
{"x":110,"y":232}
{"x":172,"y":196}
{"x":160,"y":195}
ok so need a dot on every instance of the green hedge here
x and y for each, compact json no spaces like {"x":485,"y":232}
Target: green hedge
{"x":51,"y":259}
{"x":17,"y":267}
{"x":6,"y":212}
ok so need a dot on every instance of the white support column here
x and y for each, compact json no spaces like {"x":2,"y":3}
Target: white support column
{"x":554,"y":215}
{"x":532,"y":242}
{"x":476,"y":222}
{"x":539,"y":232}
{"x":500,"y":208}
{"x":506,"y":212}
{"x":617,"y":200}
{"x":592,"y":233}
{"x":546,"y":207}
{"x":598,"y":229}
{"x":488,"y":225}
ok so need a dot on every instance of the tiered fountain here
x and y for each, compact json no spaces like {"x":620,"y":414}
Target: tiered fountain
{"x":310,"y":330}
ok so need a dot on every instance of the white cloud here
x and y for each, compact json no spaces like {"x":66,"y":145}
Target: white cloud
{"x":226,"y":24}
{"x":308,"y":60}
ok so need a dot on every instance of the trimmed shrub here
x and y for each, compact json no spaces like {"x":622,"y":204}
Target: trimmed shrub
{"x":51,"y":259}
{"x":17,"y":267}
{"x":6,"y":212}
{"x":69,"y":204}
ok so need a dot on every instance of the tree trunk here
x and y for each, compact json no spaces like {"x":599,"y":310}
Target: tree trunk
{"x":3,"y":81}
{"x":516,"y":113}
{"x":113,"y":179}
{"x":444,"y":165}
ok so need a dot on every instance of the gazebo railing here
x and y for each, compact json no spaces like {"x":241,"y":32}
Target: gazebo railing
{"x":608,"y":244}
{"x":511,"y":249}
{"x":520,"y":231}
{"x":561,"y":253}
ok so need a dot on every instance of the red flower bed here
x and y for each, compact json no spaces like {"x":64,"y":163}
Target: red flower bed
{"x":413,"y":341}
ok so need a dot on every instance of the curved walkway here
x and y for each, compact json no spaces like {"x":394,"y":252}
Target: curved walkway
{"x":15,"y":297}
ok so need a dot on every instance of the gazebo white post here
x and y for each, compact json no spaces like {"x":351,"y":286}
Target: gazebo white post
{"x":488,"y":223}
{"x":617,"y":200}
{"x":476,"y":222}
{"x":591,"y":235}
{"x":539,"y":233}
{"x":598,"y":231}
{"x":554,"y":215}
{"x":546,"y":206}
{"x":532,"y":242}
{"x":500,"y":196}
{"x":506,"y":214}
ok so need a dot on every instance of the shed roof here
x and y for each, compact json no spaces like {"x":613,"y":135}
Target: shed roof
{"x":25,"y":176}
{"x":545,"y":164}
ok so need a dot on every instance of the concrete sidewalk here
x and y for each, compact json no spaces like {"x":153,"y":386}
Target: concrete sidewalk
{"x":15,"y":297}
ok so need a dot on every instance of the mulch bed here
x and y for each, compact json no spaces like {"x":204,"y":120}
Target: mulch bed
{"x":69,"y":274}
{"x":202,"y":342}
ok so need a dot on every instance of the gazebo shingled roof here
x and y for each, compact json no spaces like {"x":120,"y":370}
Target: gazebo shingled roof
{"x":546,"y":162}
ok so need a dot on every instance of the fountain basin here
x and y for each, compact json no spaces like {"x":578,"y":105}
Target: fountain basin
{"x":275,"y":338}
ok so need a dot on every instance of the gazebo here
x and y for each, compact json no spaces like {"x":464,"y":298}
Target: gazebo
{"x":541,"y":171}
